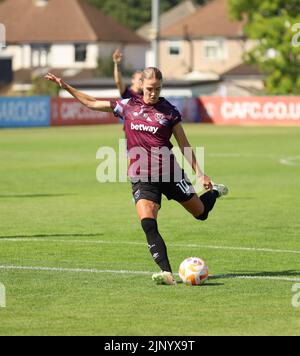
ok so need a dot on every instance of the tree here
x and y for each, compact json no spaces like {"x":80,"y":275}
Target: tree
{"x":40,"y":86}
{"x":275,"y":28}
{"x":105,"y":67}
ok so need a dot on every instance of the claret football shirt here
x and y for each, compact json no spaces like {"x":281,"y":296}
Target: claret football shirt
{"x":148,"y":130}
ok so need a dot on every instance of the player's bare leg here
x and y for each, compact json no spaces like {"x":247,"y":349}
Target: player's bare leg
{"x":200,"y":207}
{"x":147,"y":209}
{"x":194,"y":206}
{"x":148,"y":212}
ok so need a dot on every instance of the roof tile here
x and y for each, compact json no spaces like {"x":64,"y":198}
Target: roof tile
{"x":211,"y":19}
{"x":61,"y":21}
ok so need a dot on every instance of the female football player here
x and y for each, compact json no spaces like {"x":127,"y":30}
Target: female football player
{"x":149,"y":123}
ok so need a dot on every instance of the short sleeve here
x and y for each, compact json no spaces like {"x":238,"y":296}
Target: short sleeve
{"x":118,"y":107}
{"x":176,"y":118}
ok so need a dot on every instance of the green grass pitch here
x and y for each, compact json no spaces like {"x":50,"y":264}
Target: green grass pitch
{"x":62,"y":232}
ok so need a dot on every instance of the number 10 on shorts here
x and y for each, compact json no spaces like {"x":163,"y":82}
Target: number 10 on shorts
{"x":185,"y":188}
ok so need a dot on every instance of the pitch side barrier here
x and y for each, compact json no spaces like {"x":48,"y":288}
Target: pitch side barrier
{"x":65,"y":112}
{"x":278,"y":110}
{"x":273,"y":110}
{"x":42,"y":111}
{"x":188,"y":107}
{"x":24,"y":111}
{"x":45,"y":111}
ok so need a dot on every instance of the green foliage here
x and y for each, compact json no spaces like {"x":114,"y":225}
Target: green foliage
{"x":272,"y":25}
{"x":105,"y":67}
{"x":40,"y":86}
{"x":133,"y":13}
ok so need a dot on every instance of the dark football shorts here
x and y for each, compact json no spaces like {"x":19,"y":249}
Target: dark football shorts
{"x":181,"y":192}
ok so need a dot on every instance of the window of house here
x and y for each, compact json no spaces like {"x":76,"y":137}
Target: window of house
{"x":40,"y":55}
{"x":215,"y":49}
{"x":80,"y":52}
{"x":174,"y":48}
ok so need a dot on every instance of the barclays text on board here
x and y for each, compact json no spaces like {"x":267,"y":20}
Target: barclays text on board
{"x":22,"y":112}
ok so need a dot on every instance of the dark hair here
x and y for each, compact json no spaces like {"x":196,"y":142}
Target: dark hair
{"x":152,"y":73}
{"x":136,"y":72}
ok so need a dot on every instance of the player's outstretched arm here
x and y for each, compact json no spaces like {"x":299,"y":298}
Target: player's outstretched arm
{"x":117,"y":58}
{"x":189,"y":154}
{"x":86,"y":100}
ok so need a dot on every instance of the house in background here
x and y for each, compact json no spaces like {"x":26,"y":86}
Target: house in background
{"x":66,"y":36}
{"x":167,"y":19}
{"x":242,"y":80}
{"x":203,"y":45}
{"x":201,"y":49}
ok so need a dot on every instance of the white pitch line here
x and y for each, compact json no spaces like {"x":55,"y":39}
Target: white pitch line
{"x":270,"y":278}
{"x":290,"y":161}
{"x":241,"y":155}
{"x":293,"y":161}
{"x":188,"y":245}
{"x":72,"y":270}
{"x":97,"y":271}
{"x":251,"y":249}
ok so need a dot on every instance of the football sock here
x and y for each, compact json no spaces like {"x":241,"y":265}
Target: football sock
{"x":156,"y":244}
{"x":208,"y":199}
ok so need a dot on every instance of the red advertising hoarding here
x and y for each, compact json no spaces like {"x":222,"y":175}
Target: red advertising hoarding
{"x":65,"y":111}
{"x":250,"y":110}
{"x":217,"y":110}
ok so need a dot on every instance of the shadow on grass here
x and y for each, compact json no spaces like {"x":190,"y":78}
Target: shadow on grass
{"x":247,"y":275}
{"x":206,"y":284}
{"x":49,"y":235}
{"x":24,"y":196}
{"x":239,"y":198}
{"x":209,"y":284}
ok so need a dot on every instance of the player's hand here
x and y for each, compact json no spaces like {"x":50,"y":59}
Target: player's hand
{"x":117,"y":57}
{"x":207,"y":184}
{"x":52,"y":78}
